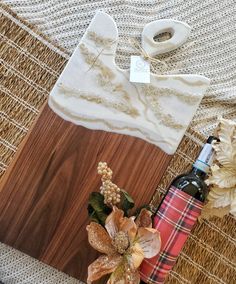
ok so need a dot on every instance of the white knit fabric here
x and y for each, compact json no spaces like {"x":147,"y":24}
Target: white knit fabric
{"x":211,"y":52}
{"x":19,"y":268}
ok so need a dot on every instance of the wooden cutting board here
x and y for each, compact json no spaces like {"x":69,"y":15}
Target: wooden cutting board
{"x":44,"y":194}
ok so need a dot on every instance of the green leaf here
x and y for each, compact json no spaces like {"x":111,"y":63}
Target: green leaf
{"x":97,"y":210}
{"x":127,"y":202}
{"x":92,"y":215}
{"x":96,"y":200}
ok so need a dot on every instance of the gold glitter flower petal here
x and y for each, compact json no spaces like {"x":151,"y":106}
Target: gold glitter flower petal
{"x":128,"y":225}
{"x":150,"y":241}
{"x":112,"y":224}
{"x":144,"y":219}
{"x":124,"y":274}
{"x":102,"y":266}
{"x":99,"y":239}
{"x":133,"y":277}
{"x":113,"y":280}
{"x":137,"y":256}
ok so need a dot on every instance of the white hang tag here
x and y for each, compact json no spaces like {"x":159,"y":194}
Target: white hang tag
{"x":139,"y":70}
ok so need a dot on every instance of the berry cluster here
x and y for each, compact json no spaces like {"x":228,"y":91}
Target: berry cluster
{"x":121,"y":242}
{"x":109,"y":190}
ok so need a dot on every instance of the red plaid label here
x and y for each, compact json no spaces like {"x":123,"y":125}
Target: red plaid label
{"x":174,"y":220}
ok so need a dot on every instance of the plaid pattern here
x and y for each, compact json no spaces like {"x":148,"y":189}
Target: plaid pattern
{"x":174,"y":220}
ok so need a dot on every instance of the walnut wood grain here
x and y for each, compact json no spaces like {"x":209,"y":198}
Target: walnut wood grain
{"x":43,"y":197}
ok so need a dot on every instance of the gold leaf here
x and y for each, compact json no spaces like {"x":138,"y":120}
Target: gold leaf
{"x":124,"y":274}
{"x":223,"y":177}
{"x":99,"y":239}
{"x":144,"y":218}
{"x":102,"y":266}
{"x":113,"y":221}
{"x":136,"y":256}
{"x":150,"y":241}
{"x":222,"y":196}
{"x":128,"y":225}
{"x":226,"y":148}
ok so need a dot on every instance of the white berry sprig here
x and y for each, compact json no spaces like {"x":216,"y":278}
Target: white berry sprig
{"x":109,"y":190}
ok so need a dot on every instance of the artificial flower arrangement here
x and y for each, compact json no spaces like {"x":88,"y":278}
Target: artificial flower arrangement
{"x":123,"y":241}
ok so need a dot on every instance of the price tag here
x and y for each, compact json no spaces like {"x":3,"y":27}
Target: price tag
{"x":139,"y":70}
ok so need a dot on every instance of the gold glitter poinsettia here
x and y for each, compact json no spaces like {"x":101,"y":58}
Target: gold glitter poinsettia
{"x":124,"y":245}
{"x":222,"y":195}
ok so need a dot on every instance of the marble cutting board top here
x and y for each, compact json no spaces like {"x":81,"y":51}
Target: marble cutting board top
{"x":94,"y":92}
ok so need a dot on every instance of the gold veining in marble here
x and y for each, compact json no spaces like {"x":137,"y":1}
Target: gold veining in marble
{"x":188,"y":98}
{"x":196,"y":83}
{"x":152,"y":98}
{"x":99,"y":40}
{"x":105,"y":77}
{"x":94,"y":98}
{"x":99,"y":120}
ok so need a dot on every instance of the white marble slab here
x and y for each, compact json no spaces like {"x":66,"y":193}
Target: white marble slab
{"x":94,"y":92}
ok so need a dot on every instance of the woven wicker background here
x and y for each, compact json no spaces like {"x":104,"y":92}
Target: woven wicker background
{"x":28,"y":71}
{"x":29,"y":68}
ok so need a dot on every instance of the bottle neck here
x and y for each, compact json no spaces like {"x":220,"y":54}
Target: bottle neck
{"x":204,"y":161}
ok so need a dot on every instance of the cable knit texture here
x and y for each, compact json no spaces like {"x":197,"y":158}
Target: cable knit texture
{"x":211,"y":48}
{"x":17,"y":267}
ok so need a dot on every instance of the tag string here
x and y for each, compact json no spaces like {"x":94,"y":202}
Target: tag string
{"x":137,"y":46}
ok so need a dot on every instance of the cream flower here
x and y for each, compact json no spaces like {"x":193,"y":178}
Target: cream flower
{"x":124,"y":246}
{"x":222,"y":196}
